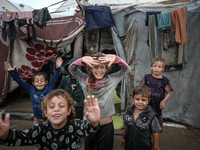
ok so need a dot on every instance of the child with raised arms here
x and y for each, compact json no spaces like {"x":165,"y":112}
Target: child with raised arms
{"x":102,"y":86}
{"x":40,"y":88}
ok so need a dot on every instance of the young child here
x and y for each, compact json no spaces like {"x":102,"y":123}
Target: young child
{"x":159,"y":85}
{"x":74,"y":88}
{"x":102,"y":86}
{"x":40,"y":88}
{"x":61,"y":131}
{"x":140,"y":122}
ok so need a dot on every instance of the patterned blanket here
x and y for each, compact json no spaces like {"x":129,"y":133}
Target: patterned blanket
{"x":30,"y":56}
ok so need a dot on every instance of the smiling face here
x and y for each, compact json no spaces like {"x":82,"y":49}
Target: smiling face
{"x":157,"y":68}
{"x":57,"y":112}
{"x":39,"y":82}
{"x":140,"y":102}
{"x":99,"y":71}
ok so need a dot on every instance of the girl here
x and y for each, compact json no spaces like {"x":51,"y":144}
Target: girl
{"x":61,"y":132}
{"x":102,"y":86}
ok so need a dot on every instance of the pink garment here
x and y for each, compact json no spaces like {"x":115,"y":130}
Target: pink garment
{"x":26,"y":15}
{"x":118,"y":60}
{"x":96,"y":84}
{"x":8,"y":16}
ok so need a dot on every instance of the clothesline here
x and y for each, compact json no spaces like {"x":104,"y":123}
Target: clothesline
{"x":56,"y":3}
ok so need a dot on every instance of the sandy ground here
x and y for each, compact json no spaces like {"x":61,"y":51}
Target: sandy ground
{"x":171,"y":139}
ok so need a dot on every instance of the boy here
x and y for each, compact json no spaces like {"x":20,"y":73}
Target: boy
{"x":74,"y":88}
{"x":61,"y":131}
{"x":140,"y":122}
{"x":159,"y":85}
{"x":40,"y":89}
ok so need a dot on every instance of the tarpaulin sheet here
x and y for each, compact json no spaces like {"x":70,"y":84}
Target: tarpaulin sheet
{"x":184,"y":103}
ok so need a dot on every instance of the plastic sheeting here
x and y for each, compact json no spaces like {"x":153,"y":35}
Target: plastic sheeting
{"x":184,"y":103}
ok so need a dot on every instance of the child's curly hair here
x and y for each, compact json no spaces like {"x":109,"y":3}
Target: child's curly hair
{"x":143,"y":90}
{"x":158,"y":59}
{"x":91,"y":80}
{"x":63,"y":93}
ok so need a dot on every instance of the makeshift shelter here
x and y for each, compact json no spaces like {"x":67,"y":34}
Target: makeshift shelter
{"x":129,"y":39}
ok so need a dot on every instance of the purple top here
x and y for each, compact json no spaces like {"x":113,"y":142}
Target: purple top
{"x":159,"y":87}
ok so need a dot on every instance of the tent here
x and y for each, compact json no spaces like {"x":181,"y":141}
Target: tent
{"x":129,"y":39}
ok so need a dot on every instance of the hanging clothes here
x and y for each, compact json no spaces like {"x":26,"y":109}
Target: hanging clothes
{"x":155,"y":13}
{"x":178,"y":21}
{"x":26,"y":15}
{"x":26,"y":30}
{"x":40,"y":17}
{"x":164,"y":21}
{"x":98,"y":17}
{"x":152,"y":36}
{"x":8,"y":19}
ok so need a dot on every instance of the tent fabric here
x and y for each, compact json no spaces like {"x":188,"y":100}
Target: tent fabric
{"x":183,"y":105}
{"x":30,"y":56}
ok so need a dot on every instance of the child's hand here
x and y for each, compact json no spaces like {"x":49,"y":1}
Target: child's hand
{"x":4,"y":127}
{"x":93,"y":111}
{"x":122,"y":142}
{"x":88,"y":60}
{"x":59,"y":62}
{"x":9,"y":68}
{"x":162,"y":104}
{"x":108,"y":58}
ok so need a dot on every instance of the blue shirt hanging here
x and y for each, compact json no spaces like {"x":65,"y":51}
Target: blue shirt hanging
{"x":98,"y":17}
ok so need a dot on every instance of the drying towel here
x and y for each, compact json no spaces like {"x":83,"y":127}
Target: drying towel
{"x":178,"y":21}
{"x":98,"y":17}
{"x":164,"y":21}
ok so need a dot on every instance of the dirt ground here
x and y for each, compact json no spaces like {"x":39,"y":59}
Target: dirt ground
{"x":173,"y":138}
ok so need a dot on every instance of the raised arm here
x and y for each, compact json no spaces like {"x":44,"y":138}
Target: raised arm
{"x":14,"y":74}
{"x":93,"y":111}
{"x":9,"y":68}
{"x":59,"y":62}
{"x":4,"y":127}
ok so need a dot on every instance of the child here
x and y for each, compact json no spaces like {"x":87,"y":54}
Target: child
{"x":40,"y":89}
{"x":102,"y":86}
{"x":159,"y":85}
{"x":73,"y":87}
{"x":140,"y":122}
{"x":61,"y":131}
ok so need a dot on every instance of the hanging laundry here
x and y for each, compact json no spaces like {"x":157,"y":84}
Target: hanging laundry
{"x":164,"y":21}
{"x":40,"y":17}
{"x":152,"y":36}
{"x":98,"y":17}
{"x":26,"y":15}
{"x":26,"y":30}
{"x":155,"y":13}
{"x":178,"y":21}
{"x":8,"y":19}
